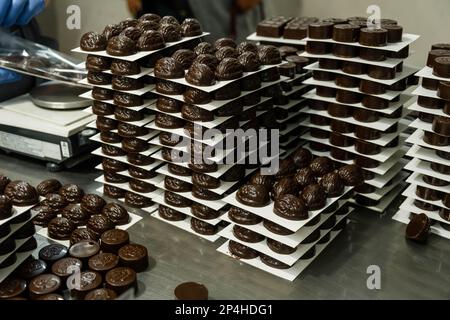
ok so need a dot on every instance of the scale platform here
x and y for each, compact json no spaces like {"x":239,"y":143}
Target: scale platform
{"x":59,"y":137}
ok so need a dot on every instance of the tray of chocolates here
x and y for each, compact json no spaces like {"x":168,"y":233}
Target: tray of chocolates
{"x":438,"y":170}
{"x":133,"y":39}
{"x":373,"y":193}
{"x":143,"y":147}
{"x":379,"y":206}
{"x":428,"y":181}
{"x":427,"y":155}
{"x":391,"y":63}
{"x":125,"y":160}
{"x":430,"y":140}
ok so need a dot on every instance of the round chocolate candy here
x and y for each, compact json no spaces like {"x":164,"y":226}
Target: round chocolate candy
{"x":346,"y":81}
{"x":21,"y":193}
{"x":202,"y":227}
{"x":279,"y":247}
{"x":191,"y":291}
{"x":371,"y":87}
{"x":418,"y":228}
{"x":290,"y":207}
{"x":121,"y":279}
{"x":253,"y":195}
{"x":112,"y":240}
{"x":44,"y":284}
{"x":442,"y":67}
{"x":241,"y":251}
{"x":273,"y":263}
{"x":243,"y":217}
{"x":134,"y":256}
{"x":321,"y":30}
{"x":339,"y":110}
{"x":92,"y":41}
{"x":352,"y":175}
{"x":373,"y":37}
{"x":348,"y":97}
{"x":345,"y":33}
{"x":247,"y":235}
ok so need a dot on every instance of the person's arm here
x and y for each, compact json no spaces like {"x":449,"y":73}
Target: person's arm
{"x":13,"y":13}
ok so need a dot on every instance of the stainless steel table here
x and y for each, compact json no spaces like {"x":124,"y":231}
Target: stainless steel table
{"x":408,"y":270}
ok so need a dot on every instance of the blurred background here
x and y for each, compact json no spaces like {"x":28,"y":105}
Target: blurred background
{"x":427,"y":18}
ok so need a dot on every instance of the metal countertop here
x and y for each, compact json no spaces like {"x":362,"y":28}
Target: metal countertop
{"x":408,"y":270}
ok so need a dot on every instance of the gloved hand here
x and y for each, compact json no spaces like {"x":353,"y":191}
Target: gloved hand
{"x":19,"y":12}
{"x":7,"y":76}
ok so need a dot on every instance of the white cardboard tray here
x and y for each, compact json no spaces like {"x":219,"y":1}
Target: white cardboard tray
{"x":384,"y":155}
{"x":423,"y":167}
{"x":407,"y":39}
{"x":292,"y":103}
{"x":150,"y":151}
{"x":427,"y":72}
{"x":186,"y":226}
{"x":382,"y":124}
{"x":19,"y":243}
{"x":381,"y":192}
{"x":288,"y":274}
{"x":410,"y":192}
{"x":263,"y":248}
{"x":409,"y":206}
{"x":21,"y":257}
{"x":158,"y":197}
{"x":17,"y":211}
{"x":292,"y":240}
{"x":389,"y":95}
{"x":15,"y":227}
{"x":437,"y":112}
{"x":216,"y":104}
{"x":389,"y":63}
{"x":98,"y":152}
{"x":421,"y":91}
{"x":138,"y":92}
{"x":219,"y":84}
{"x":385,"y":139}
{"x":224,"y":185}
{"x":417,"y":138}
{"x":280,"y":40}
{"x":213,"y":204}
{"x":393,"y":106}
{"x":386,"y":201}
{"x":88,"y":95}
{"x":425,"y":154}
{"x":267,"y":211}
{"x":140,"y":54}
{"x":407,"y":71}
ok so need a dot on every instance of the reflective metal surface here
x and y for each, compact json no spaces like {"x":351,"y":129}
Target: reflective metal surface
{"x":408,"y":270}
{"x":59,"y":96}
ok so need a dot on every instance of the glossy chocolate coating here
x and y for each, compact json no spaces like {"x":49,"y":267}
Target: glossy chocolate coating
{"x":112,"y":240}
{"x":168,"y":68}
{"x":126,"y":84}
{"x":60,"y":228}
{"x":443,"y":90}
{"x":250,"y":61}
{"x":241,"y":251}
{"x":176,"y":185}
{"x":204,"y":212}
{"x":139,"y":160}
{"x":203,"y":227}
{"x":352,"y":175}
{"x":121,"y":45}
{"x":247,"y":235}
{"x":290,"y":207}
{"x":243,"y":217}
{"x":97,"y":63}
{"x":247,"y":46}
{"x":134,"y":145}
{"x":381,"y":73}
{"x":137,"y":201}
{"x":191,"y":27}
{"x":44,"y":284}
{"x":134,"y":256}
{"x":200,"y":75}
{"x":168,"y":122}
{"x":128,"y":115}
{"x":253,"y":195}
{"x":21,"y":193}
{"x":147,"y":25}
{"x":418,"y":228}
{"x":92,"y":41}
{"x":196,"y":96}
{"x":224,"y":42}
{"x":97,"y":224}
{"x":204,"y":48}
{"x":81,"y":234}
{"x":170,"y":214}
{"x":205,"y":194}
{"x":321,"y":166}
{"x":191,"y":291}
{"x":229,"y":69}
{"x":442,"y":67}
{"x":170,"y":32}
{"x":48,"y":186}
{"x":120,"y":279}
{"x":75,"y":215}
{"x":151,"y":40}
{"x":226,"y":52}
{"x":113,"y":192}
{"x":332,"y":184}
{"x":44,"y":214}
{"x":184,"y":57}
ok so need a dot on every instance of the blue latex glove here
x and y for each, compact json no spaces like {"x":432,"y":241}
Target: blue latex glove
{"x":7,"y":76}
{"x":19,"y":12}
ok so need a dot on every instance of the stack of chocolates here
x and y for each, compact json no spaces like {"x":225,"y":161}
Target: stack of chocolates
{"x":16,"y":228}
{"x":287,"y":97}
{"x":356,"y":108}
{"x":280,"y":223}
{"x":119,"y":61}
{"x":105,"y":269}
{"x":429,"y":189}
{"x":209,"y":89}
{"x":67,"y":214}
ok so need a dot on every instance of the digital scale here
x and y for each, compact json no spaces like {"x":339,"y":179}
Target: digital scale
{"x":47,"y":124}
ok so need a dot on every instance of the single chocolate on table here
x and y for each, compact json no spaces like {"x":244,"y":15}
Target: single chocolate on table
{"x":418,"y":228}
{"x":191,"y":291}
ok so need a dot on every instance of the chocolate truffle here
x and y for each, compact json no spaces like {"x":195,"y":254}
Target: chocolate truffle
{"x":100,"y":108}
{"x":92,"y":204}
{"x":314,"y":196}
{"x":113,"y":192}
{"x":144,"y":26}
{"x":185,"y":57}
{"x":253,"y":195}
{"x":60,"y":228}
{"x":202,"y":227}
{"x":226,"y":52}
{"x":137,"y":201}
{"x":352,"y":175}
{"x":191,"y":291}
{"x":196,"y":96}
{"x":168,"y":68}
{"x":290,"y":207}
{"x":279,"y":247}
{"x":284,"y":186}
{"x":21,"y":193}
{"x":332,"y":184}
{"x":241,"y":251}
{"x":191,"y":27}
{"x":92,"y":41}
{"x":163,"y":120}
{"x":81,"y":234}
{"x":72,"y":193}
{"x":123,"y":83}
{"x":97,"y":224}
{"x":151,"y":40}
{"x":204,"y":48}
{"x":150,"y":17}
{"x":247,"y":235}
{"x":121,"y":46}
{"x":243,"y":217}
{"x":97,"y":63}
{"x":269,"y":55}
{"x":132,"y":32}
{"x":170,"y":32}
{"x":75,"y":215}
{"x":224,"y":42}
{"x":321,"y":166}
{"x":125,"y":100}
{"x":170,"y":214}
{"x":229,"y":69}
{"x":250,"y":61}
{"x":200,"y":75}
